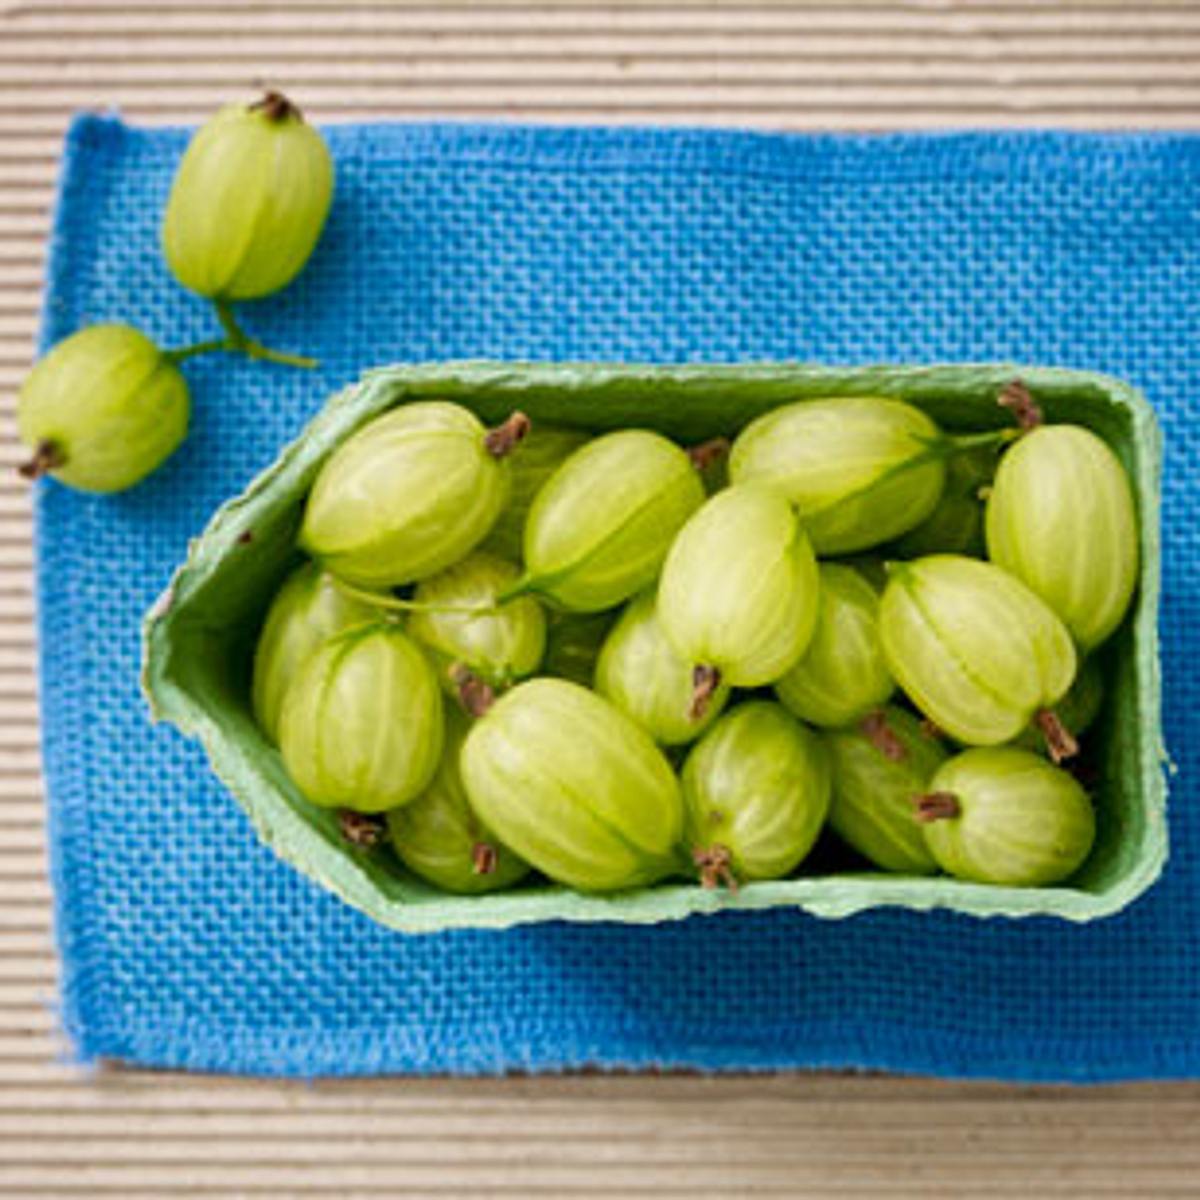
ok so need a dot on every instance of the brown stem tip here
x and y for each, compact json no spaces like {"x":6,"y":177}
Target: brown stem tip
{"x":1017,"y":398}
{"x":484,"y":858}
{"x":881,"y":735}
{"x":364,"y":830}
{"x":505,"y":438}
{"x":705,"y":682}
{"x":715,"y":863}
{"x":1059,"y":740}
{"x":930,"y":730}
{"x":936,"y":806}
{"x":45,"y":459}
{"x":275,"y":106}
{"x":475,"y":696}
{"x":706,"y":453}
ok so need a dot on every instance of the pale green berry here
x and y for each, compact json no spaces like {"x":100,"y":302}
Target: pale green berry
{"x":739,"y":592}
{"x":601,"y":525}
{"x":1006,"y":817}
{"x":248,"y":202}
{"x":873,"y":790}
{"x":756,"y":789}
{"x":975,"y":649}
{"x":102,"y":409}
{"x":439,"y":837}
{"x":307,"y":610}
{"x":1061,"y":518}
{"x":408,"y":494}
{"x":639,"y":671}
{"x":500,"y":645}
{"x":574,"y":787}
{"x":842,"y":675}
{"x":860,"y":469}
{"x":362,"y":721}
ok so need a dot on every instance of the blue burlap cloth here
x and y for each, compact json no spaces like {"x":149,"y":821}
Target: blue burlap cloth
{"x":185,"y":943}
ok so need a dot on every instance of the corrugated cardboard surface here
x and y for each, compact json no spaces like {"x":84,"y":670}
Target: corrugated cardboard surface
{"x":794,"y":66}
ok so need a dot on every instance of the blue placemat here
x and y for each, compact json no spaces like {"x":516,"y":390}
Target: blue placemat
{"x":187,"y":944}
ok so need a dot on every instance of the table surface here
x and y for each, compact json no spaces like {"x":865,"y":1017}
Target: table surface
{"x":66,"y":1132}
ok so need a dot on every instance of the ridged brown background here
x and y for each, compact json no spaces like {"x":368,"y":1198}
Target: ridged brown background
{"x":784,"y":66}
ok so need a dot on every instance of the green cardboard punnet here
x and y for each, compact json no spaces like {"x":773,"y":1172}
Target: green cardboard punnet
{"x":199,"y":638}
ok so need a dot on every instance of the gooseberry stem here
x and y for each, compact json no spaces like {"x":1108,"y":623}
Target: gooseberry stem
{"x":880,"y":734}
{"x":395,"y":604}
{"x":364,"y":830}
{"x":209,"y":347}
{"x":705,"y":454}
{"x":936,"y":806}
{"x":484,"y":858}
{"x":475,"y":696}
{"x":275,"y":106}
{"x":46,"y":457}
{"x":1060,"y":742}
{"x":239,"y":341}
{"x":715,"y":863}
{"x":1018,"y":399}
{"x":705,"y":681}
{"x":507,"y":436}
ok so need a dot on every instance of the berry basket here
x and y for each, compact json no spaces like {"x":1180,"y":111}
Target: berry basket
{"x":199,"y":639}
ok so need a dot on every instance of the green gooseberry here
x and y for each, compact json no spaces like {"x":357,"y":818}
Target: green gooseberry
{"x":861,"y":470}
{"x":639,"y":671}
{"x":956,"y":525}
{"x":601,"y":525}
{"x":307,"y":610}
{"x":976,"y":650}
{"x":756,"y":790}
{"x":248,"y":202}
{"x":438,"y":836}
{"x":739,"y":592}
{"x":1006,"y":816}
{"x":409,"y":494}
{"x":102,"y":409}
{"x":1061,"y":518}
{"x":574,"y":787}
{"x":573,"y":644}
{"x":841,"y":676}
{"x":499,"y":645}
{"x":543,"y":451}
{"x":362,"y":724}
{"x":873,"y":791}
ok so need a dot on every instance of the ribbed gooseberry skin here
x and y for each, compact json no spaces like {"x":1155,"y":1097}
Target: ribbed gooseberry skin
{"x":307,"y":610}
{"x":575,"y":787}
{"x":499,"y":646}
{"x":842,"y":675}
{"x":1020,"y":820}
{"x":248,"y":202}
{"x":362,"y":723}
{"x":640,"y":672}
{"x":973,"y":647}
{"x":861,"y":470}
{"x":756,"y":790}
{"x":599,"y":528}
{"x":873,"y":792}
{"x":545,"y":449}
{"x":1061,"y":518}
{"x":439,"y":837}
{"x":405,"y":497}
{"x":739,"y":591}
{"x":103,"y":409}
